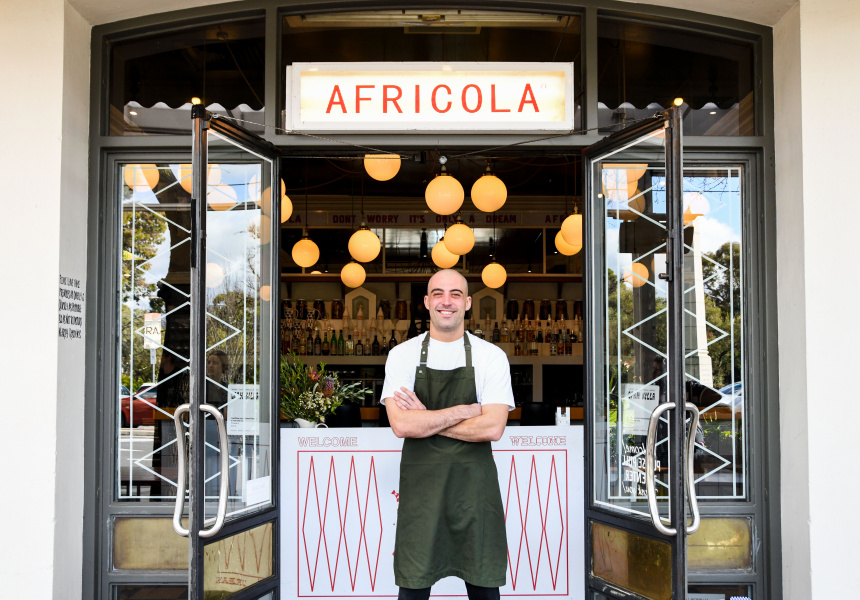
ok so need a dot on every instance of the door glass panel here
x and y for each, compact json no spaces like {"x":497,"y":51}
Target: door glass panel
{"x":238,"y":331}
{"x":153,"y":313}
{"x":634,"y":562}
{"x":721,"y":543}
{"x":720,"y":592}
{"x":630,"y":358}
{"x":148,"y":544}
{"x":713,"y":328}
{"x":232,"y":564}
{"x":151,"y":592}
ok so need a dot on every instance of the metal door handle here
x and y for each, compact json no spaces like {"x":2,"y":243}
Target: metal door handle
{"x":650,"y":444}
{"x":180,"y":479}
{"x":225,"y":478}
{"x":691,"y":488}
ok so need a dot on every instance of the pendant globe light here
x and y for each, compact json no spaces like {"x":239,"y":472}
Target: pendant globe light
{"x":444,"y":195}
{"x":565,"y":248}
{"x":442,"y":257}
{"x":571,"y":228}
{"x":459,"y":239}
{"x":364,"y":245}
{"x":489,"y":192}
{"x":494,"y":275}
{"x":636,"y":275}
{"x":382,"y":167}
{"x":305,"y":252}
{"x":352,"y":274}
{"x":140,"y":178}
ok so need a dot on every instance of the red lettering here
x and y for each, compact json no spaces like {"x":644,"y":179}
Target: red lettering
{"x":463,"y":98}
{"x":358,"y":96}
{"x":386,"y":99}
{"x":331,"y":102}
{"x":433,"y":98}
{"x":493,"y":101}
{"x":528,"y":92}
{"x":417,"y":99}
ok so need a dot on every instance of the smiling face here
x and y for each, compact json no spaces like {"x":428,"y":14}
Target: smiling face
{"x":447,"y":300}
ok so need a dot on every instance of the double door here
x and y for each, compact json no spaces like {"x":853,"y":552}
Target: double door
{"x":640,"y":502}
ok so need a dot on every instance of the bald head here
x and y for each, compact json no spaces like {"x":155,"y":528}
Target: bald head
{"x":447,"y":300}
{"x":447,"y":275}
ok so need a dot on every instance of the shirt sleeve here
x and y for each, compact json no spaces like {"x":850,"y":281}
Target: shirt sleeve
{"x":398,"y":373}
{"x":496,"y":385}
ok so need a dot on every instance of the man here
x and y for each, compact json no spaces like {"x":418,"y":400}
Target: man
{"x":448,"y":393}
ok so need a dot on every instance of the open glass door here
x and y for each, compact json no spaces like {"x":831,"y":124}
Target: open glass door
{"x":231,"y":425}
{"x":637,"y":462}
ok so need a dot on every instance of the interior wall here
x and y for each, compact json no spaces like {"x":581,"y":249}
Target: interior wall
{"x":816,"y":150}
{"x":43,"y":177}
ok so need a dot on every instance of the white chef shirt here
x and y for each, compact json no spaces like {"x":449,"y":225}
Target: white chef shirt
{"x":492,"y":370}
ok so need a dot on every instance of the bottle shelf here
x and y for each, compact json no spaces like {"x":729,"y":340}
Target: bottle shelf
{"x":575,"y":359}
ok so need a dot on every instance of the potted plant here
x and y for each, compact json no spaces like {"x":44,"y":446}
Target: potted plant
{"x":309,"y":394}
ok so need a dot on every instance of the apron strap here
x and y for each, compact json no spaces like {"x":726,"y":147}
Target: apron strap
{"x":425,"y":345}
{"x":468,"y":350}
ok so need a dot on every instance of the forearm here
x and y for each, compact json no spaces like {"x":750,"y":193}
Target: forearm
{"x":423,"y":423}
{"x":486,"y":427}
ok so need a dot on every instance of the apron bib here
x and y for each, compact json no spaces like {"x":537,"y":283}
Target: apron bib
{"x":450,"y":518}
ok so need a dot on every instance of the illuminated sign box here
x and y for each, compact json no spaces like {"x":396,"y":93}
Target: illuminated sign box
{"x":438,"y":97}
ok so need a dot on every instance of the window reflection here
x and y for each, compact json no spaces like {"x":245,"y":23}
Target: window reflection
{"x":154,"y":79}
{"x":643,"y":69}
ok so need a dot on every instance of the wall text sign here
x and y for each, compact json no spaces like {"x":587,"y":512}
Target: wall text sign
{"x":439,"y":97}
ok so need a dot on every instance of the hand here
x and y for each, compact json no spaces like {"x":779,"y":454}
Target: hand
{"x":407,"y":400}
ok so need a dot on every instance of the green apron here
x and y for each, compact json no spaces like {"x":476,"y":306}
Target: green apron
{"x":450,"y":517}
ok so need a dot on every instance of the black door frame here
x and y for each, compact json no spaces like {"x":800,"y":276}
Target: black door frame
{"x":203,"y":123}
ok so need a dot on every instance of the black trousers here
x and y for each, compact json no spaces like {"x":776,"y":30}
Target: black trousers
{"x":475,"y":592}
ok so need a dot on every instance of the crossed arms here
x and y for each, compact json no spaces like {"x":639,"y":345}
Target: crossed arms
{"x":409,"y":418}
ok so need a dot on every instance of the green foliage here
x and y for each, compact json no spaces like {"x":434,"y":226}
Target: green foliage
{"x":142,"y":233}
{"x":723,"y":310}
{"x":312,"y":393}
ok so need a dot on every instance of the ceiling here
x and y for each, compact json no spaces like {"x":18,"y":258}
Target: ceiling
{"x":763,"y":12}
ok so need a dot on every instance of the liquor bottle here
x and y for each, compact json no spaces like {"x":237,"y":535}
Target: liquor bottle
{"x":479,"y":333}
{"x":340,"y":344}
{"x":553,"y":347}
{"x":310,"y":342}
{"x":533,"y":347}
{"x":530,"y":332}
{"x":303,"y":346}
{"x":518,"y":349}
{"x":359,"y":348}
{"x":539,"y":334}
{"x":392,"y":342}
{"x":383,"y":348}
{"x":497,"y":334}
{"x":374,"y":347}
{"x":568,"y":344}
{"x":349,"y":346}
{"x":325,"y":346}
{"x":505,"y":335}
{"x":317,"y":344}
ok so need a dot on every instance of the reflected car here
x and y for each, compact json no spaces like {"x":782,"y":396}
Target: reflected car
{"x":733,"y":397}
{"x":139,"y":410}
